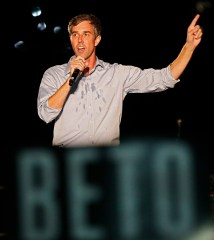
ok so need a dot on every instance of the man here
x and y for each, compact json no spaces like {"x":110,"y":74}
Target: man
{"x":87,"y":109}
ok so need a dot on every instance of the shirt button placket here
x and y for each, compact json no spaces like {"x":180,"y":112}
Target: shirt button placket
{"x":91,"y":127}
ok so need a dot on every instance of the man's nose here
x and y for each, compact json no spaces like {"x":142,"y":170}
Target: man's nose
{"x":80,"y":39}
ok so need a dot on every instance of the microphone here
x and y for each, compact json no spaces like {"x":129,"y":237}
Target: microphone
{"x":74,"y":76}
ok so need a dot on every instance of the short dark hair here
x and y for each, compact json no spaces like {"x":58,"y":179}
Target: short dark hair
{"x":95,"y":21}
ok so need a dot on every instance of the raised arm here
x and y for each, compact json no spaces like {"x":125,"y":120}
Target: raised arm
{"x":194,"y":35}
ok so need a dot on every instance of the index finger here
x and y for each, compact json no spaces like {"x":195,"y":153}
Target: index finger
{"x":195,"y":19}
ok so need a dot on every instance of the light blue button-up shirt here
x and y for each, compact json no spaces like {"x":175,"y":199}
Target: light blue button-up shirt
{"x":92,"y":113}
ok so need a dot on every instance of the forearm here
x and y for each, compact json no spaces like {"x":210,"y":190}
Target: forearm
{"x":57,"y":100}
{"x":180,"y":63}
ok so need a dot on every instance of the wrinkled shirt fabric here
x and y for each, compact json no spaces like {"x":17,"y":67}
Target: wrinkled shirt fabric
{"x":91,"y":115}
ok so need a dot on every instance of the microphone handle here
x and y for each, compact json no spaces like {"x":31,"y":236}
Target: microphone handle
{"x":74,"y":77}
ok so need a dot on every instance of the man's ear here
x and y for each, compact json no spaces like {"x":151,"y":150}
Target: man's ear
{"x":97,"y":40}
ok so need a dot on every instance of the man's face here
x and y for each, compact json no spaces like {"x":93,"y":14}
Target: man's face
{"x":83,"y":39}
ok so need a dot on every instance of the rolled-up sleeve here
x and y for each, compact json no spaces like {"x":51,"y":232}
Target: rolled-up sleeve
{"x":149,"y":80}
{"x":51,"y":81}
{"x":46,"y":113}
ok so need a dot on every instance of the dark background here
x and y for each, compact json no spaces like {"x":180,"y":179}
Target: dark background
{"x":142,"y":33}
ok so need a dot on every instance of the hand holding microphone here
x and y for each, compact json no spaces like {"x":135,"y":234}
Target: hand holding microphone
{"x":78,"y":64}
